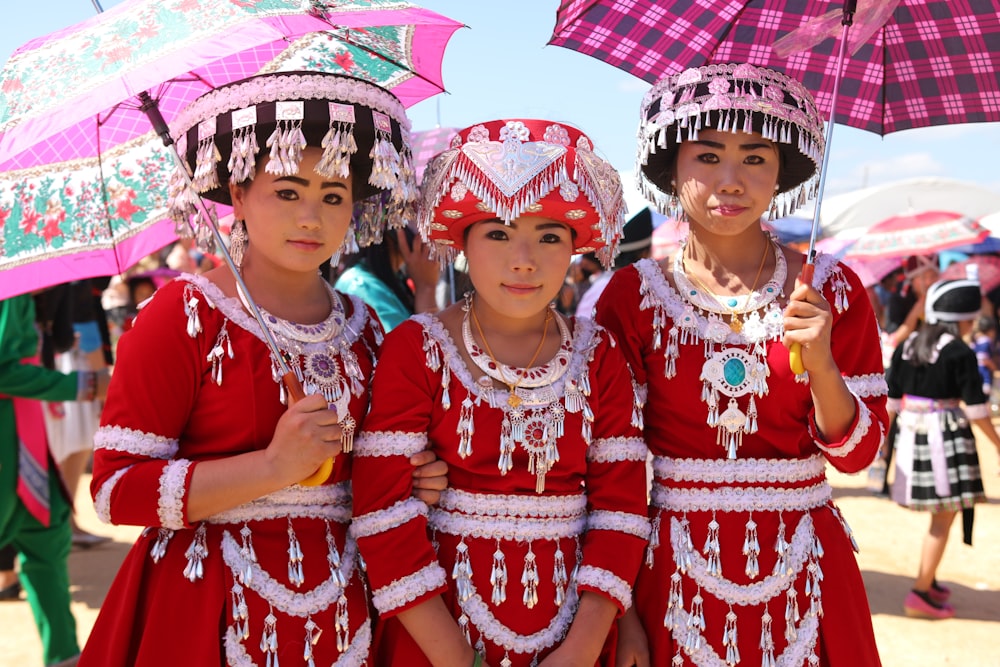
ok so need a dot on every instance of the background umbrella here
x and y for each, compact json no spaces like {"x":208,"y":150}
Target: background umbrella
{"x":922,"y":233}
{"x":855,"y":211}
{"x":428,"y":143}
{"x":82,"y":174}
{"x":987,"y":268}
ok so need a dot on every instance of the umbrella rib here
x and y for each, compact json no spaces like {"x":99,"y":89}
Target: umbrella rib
{"x":104,"y":193}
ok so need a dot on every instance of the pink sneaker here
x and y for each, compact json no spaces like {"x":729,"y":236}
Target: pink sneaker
{"x":938,"y":594}
{"x":916,"y":606}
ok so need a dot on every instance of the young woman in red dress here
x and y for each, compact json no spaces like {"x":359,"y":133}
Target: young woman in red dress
{"x":749,"y":562}
{"x":241,"y":564}
{"x":531,"y":553}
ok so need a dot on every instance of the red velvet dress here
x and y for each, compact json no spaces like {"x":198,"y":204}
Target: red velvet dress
{"x":209,"y":593}
{"x":749,"y":562}
{"x":509,"y":561}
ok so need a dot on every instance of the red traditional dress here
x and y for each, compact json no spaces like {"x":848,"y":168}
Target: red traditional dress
{"x":509,"y":559}
{"x":273,"y":579}
{"x":749,"y":561}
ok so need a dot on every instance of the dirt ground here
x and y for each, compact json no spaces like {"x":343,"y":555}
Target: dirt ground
{"x":889,"y":537}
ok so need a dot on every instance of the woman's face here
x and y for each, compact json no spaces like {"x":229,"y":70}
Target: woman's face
{"x":293,"y":223}
{"x":518,"y":269}
{"x":726,"y":180}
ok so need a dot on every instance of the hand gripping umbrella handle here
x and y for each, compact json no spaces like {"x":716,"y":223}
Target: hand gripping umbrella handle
{"x":795,"y":351}
{"x":295,"y":394}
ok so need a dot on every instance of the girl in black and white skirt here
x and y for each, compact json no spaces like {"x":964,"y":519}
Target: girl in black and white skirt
{"x":936,"y":391}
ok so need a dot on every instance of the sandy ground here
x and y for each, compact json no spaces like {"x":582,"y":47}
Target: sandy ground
{"x":889,"y":537}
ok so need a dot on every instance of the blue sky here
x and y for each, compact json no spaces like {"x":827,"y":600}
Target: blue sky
{"x":499,"y":66}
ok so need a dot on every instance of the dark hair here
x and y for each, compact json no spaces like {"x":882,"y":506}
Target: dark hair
{"x":925,"y":342}
{"x":986,"y":323}
{"x":377,"y":259}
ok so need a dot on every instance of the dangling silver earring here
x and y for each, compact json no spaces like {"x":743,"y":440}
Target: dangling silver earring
{"x":238,"y":242}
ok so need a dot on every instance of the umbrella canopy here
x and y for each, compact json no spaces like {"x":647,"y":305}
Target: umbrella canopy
{"x":83,"y":176}
{"x":852,"y":212}
{"x":425,"y":144}
{"x":921,"y":233}
{"x":987,"y":268}
{"x":933,"y":62}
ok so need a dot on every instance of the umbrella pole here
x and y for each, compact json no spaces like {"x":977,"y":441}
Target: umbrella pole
{"x":292,"y":384}
{"x":152,"y":111}
{"x":808,"y":269}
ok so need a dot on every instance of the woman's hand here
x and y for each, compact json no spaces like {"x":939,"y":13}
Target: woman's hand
{"x":430,"y":477}
{"x":305,"y":436}
{"x":633,"y":646}
{"x":423,"y":270}
{"x":808,"y":322}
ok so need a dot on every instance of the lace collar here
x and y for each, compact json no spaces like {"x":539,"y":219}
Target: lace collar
{"x":233,"y":310}
{"x":658,"y":293}
{"x":585,"y":339}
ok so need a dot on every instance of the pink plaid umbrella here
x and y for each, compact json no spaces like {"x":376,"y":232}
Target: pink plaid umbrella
{"x":933,"y":62}
{"x":923,"y":233}
{"x":83,"y":177}
{"x":918,"y":63}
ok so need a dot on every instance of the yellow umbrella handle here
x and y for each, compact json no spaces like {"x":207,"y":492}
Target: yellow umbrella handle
{"x":296,"y":394}
{"x":795,"y":351}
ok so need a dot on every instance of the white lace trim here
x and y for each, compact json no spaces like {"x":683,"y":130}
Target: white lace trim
{"x":356,"y":654}
{"x":794,"y":655}
{"x":859,"y":432}
{"x":332,"y":502}
{"x":585,"y":339}
{"x":389,"y":443}
{"x":723,"y":589}
{"x":609,"y":582}
{"x":381,"y":521}
{"x":616,"y":450}
{"x":977,"y":411}
{"x":512,"y":506}
{"x":483,"y":620}
{"x":729,"y":471}
{"x":102,"y":500}
{"x":139,"y":443}
{"x":281,"y":597}
{"x":253,"y":92}
{"x":233,"y":310}
{"x":524,"y":529}
{"x":622,"y":522}
{"x":867,"y":386}
{"x":170,"y":506}
{"x":658,"y":294}
{"x":407,"y":589}
{"x":741,"y":499}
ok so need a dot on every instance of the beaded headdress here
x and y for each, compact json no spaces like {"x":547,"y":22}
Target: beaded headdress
{"x":362,"y":128}
{"x":953,"y":301}
{"x":508,"y":168}
{"x":730,"y":97}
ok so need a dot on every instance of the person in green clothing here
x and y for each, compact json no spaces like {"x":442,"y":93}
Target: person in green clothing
{"x":377,"y":275}
{"x":34,"y":510}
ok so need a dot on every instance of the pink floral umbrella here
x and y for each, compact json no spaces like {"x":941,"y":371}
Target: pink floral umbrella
{"x":923,"y":233}
{"x":83,"y":177}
